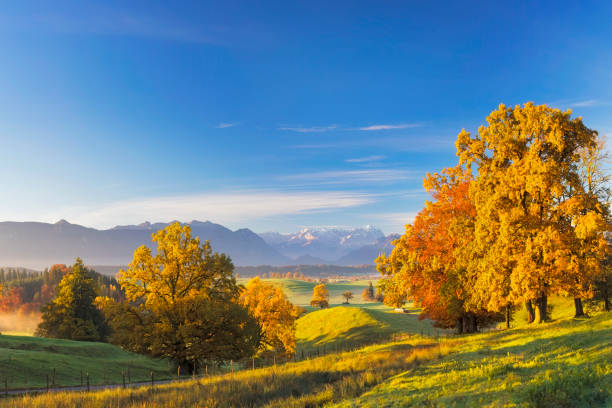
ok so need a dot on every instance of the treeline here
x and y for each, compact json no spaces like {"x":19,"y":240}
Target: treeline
{"x":305,"y":271}
{"x":26,"y":291}
{"x":522,"y":216}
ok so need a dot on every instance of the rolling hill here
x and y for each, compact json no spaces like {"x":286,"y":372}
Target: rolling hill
{"x":563,"y":363}
{"x":25,"y":362}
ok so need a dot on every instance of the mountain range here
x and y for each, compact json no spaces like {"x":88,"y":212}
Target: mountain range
{"x":38,"y":245}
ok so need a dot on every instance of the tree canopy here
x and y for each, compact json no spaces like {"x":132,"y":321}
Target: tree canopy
{"x":183,"y":301}
{"x":72,"y":314}
{"x":275,"y":314}
{"x":320,"y":296}
{"x":522,"y":216}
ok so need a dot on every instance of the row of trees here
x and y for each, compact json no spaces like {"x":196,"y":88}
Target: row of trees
{"x":182,"y":303}
{"x":521,"y":217}
{"x":25,"y":291}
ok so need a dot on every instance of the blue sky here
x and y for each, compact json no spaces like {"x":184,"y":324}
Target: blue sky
{"x":271,"y":115}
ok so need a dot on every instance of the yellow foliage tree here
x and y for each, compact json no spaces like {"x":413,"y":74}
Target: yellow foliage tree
{"x":534,"y":235}
{"x":320,"y":296}
{"x":186,"y":296}
{"x":275,"y":314}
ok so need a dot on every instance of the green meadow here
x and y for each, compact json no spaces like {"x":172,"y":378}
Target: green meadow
{"x":564,"y":363}
{"x":26,"y":362}
{"x":357,"y":355}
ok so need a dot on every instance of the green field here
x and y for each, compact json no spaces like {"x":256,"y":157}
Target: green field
{"x":25,"y":362}
{"x":564,"y":363}
{"x":347,"y":327}
{"x":300,"y":292}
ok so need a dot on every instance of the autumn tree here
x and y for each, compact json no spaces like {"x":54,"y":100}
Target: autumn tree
{"x":73,"y":314}
{"x":320,"y":296}
{"x":274,"y":312}
{"x":428,"y":262}
{"x":368,"y":293}
{"x":533,"y":234}
{"x":185,"y":299}
{"x":348,"y":295}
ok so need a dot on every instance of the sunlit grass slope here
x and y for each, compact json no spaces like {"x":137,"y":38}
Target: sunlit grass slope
{"x":565,"y":363}
{"x":310,"y":383}
{"x":345,"y":327}
{"x":26,"y":361}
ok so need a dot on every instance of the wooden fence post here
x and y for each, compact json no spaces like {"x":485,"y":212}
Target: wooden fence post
{"x":54,"y":376}
{"x":87,"y":378}
{"x":178,"y":372}
{"x":47,"y":375}
{"x":129,"y":376}
{"x":81,"y":377}
{"x":123,"y":377}
{"x":152,"y":380}
{"x":253,"y":363}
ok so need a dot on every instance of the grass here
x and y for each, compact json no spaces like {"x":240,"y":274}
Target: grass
{"x":564,"y":363}
{"x":309,"y":383}
{"x":346,"y":327}
{"x":25,"y":362}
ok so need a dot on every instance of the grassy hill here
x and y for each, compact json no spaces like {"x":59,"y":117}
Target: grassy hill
{"x":347,"y":327}
{"x":564,"y":363}
{"x":26,"y":361}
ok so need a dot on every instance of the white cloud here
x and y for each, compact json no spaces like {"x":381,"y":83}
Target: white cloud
{"x":352,"y":176}
{"x":225,"y":208}
{"x":585,"y":104}
{"x":390,"y":127}
{"x":394,"y":222}
{"x":365,"y":159}
{"x":312,"y":129}
{"x":224,"y":125}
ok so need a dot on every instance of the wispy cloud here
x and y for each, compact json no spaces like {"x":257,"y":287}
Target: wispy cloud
{"x":352,"y":176}
{"x":391,"y":127}
{"x":585,"y":103}
{"x":224,"y":125}
{"x":223,"y":207}
{"x":365,"y":159}
{"x":393,"y":222}
{"x":312,"y":129}
{"x":415,"y":143}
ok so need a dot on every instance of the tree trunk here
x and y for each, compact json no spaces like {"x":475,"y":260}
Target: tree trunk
{"x":606,"y":297}
{"x":508,"y":315}
{"x":530,"y":311}
{"x":469,"y":323}
{"x":542,"y":305}
{"x":460,"y":325}
{"x":578,"y":307}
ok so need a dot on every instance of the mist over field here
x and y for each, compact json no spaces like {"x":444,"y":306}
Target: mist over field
{"x":19,"y":323}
